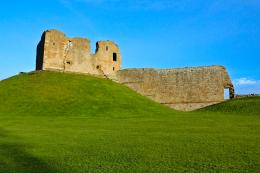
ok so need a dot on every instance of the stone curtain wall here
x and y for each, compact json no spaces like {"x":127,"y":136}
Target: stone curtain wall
{"x":55,"y":51}
{"x":183,"y":88}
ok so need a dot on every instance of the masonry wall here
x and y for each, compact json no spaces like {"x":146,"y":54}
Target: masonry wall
{"x":182,"y":89}
{"x":55,"y":51}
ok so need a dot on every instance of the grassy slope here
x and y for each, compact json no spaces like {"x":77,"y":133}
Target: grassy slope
{"x":247,"y":105}
{"x":54,"y":122}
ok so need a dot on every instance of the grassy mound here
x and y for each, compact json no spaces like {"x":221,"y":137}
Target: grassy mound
{"x":56,"y":122}
{"x":247,"y":105}
{"x":58,"y":94}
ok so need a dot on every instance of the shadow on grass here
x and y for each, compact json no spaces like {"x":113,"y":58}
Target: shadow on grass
{"x":15,"y":159}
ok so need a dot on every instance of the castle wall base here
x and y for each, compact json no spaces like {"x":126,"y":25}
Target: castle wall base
{"x":189,"y":106}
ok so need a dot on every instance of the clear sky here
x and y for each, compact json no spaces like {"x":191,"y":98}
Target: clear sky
{"x":150,"y":33}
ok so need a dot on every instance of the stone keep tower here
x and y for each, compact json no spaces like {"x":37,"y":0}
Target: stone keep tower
{"x":55,"y":51}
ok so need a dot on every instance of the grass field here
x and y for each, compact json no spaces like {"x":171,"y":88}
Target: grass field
{"x":55,"y":122}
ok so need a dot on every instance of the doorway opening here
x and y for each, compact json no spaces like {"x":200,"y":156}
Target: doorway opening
{"x":226,"y":94}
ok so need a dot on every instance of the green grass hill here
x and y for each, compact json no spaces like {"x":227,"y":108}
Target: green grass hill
{"x":58,"y":94}
{"x":58,"y":122}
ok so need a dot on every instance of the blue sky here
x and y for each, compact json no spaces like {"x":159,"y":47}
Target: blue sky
{"x":150,"y":33}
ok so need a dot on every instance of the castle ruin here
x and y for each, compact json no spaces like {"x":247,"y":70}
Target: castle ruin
{"x":55,"y":51}
{"x":180,"y":88}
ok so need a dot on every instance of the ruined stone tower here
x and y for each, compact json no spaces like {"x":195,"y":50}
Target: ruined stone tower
{"x":180,"y":88}
{"x":55,"y":51}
